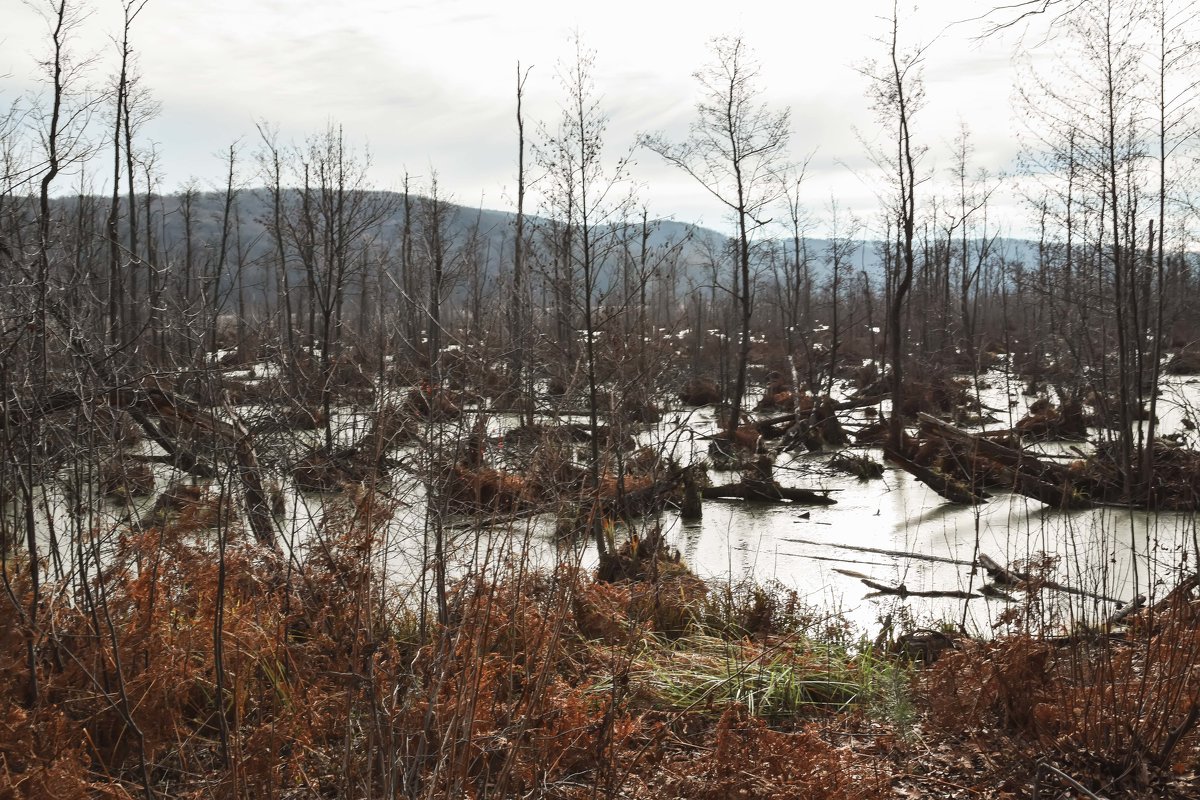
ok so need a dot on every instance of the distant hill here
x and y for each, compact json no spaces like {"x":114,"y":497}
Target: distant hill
{"x":487,"y":234}
{"x":484,"y":235}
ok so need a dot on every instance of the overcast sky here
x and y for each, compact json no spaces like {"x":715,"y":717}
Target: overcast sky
{"x":430,"y":85}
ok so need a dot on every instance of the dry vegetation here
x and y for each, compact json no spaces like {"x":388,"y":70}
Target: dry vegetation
{"x":206,"y":667}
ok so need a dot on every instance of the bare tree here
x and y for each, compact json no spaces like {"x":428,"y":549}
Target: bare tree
{"x":974,"y":192}
{"x":271,"y":169}
{"x":736,"y":150}
{"x":521,"y":300}
{"x":1175,"y":54}
{"x":842,"y":245}
{"x":334,"y":224}
{"x":435,"y":217}
{"x":896,"y":92}
{"x":796,"y":284}
{"x":589,"y":199}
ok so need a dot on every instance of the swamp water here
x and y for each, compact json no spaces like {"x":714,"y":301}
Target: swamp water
{"x":1109,"y":552}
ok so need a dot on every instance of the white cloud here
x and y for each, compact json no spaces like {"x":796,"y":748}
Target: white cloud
{"x":432,"y":83}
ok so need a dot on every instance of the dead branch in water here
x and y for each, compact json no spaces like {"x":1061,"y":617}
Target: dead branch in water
{"x":903,"y":591}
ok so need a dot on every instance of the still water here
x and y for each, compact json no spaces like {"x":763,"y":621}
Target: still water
{"x":894,"y":530}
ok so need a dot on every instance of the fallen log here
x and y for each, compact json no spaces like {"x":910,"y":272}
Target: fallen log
{"x":177,"y":456}
{"x":1129,"y":609}
{"x":1061,"y":496}
{"x":495,"y":520}
{"x":1182,"y":592}
{"x":254,"y":494}
{"x":16,"y":414}
{"x":768,"y":493}
{"x":1020,"y":470}
{"x":990,"y":590}
{"x":758,"y":483}
{"x":1000,"y":574}
{"x":1021,"y":460}
{"x":949,"y":488}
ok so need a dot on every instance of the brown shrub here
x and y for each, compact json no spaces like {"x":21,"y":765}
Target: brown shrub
{"x":700,"y":392}
{"x":123,"y":479}
{"x":752,"y":761}
{"x":1098,"y":703}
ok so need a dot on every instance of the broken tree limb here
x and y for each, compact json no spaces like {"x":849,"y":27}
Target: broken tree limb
{"x":883,"y":552}
{"x":177,"y":456}
{"x":1023,"y":580}
{"x":1000,"y":575}
{"x":1129,"y":609}
{"x":903,"y":591}
{"x":845,"y":405}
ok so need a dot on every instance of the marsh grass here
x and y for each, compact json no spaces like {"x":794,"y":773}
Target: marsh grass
{"x":780,"y":677}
